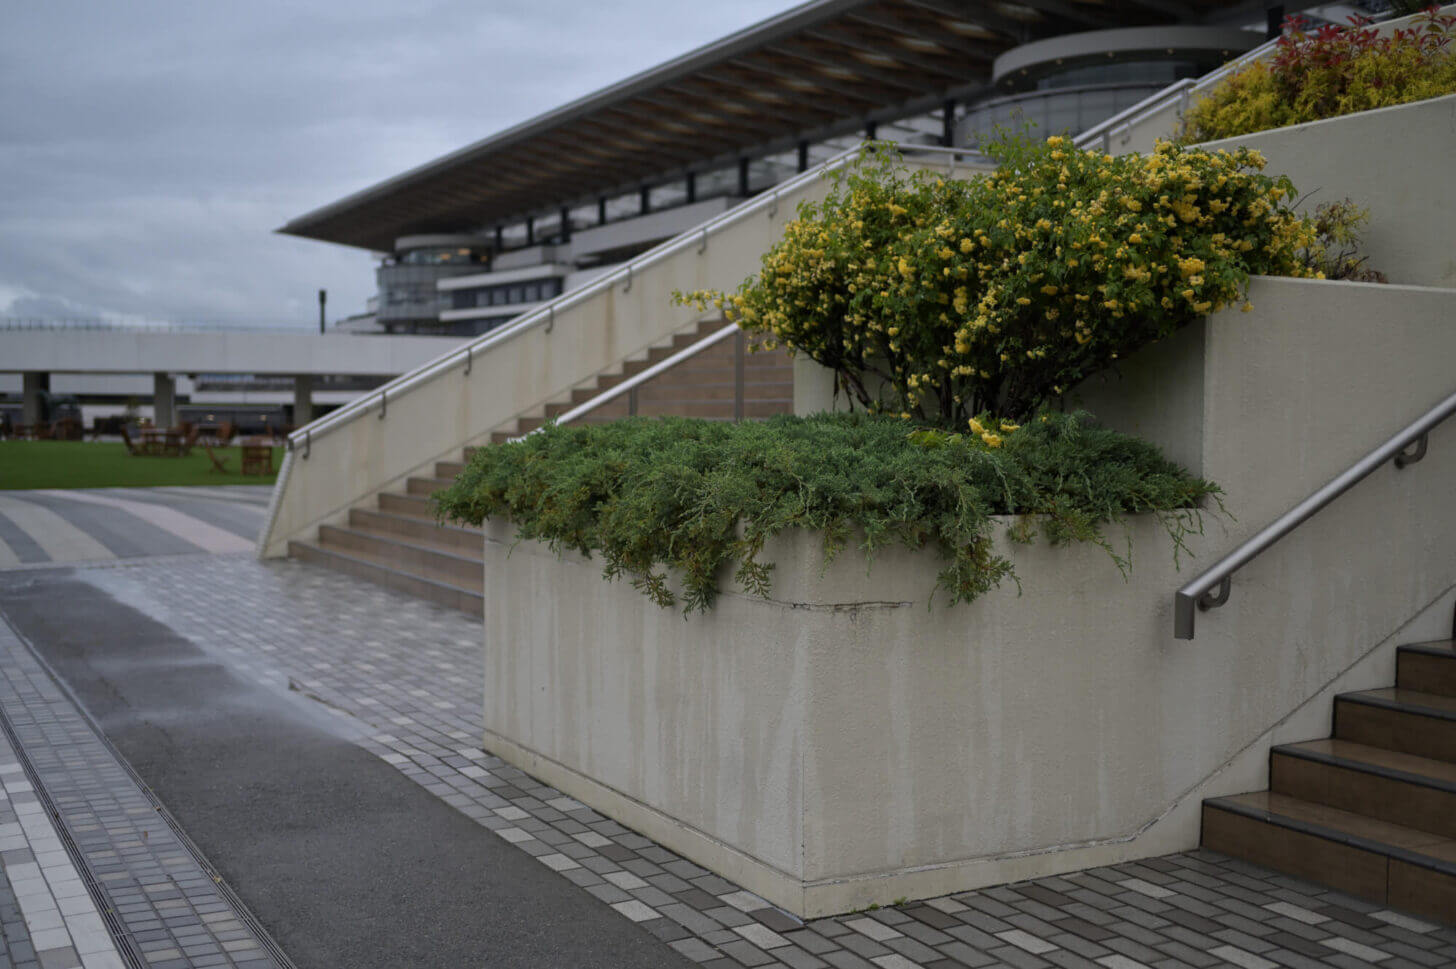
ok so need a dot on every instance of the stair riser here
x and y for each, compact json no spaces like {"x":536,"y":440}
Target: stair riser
{"x":424,"y":486}
{"x":1345,"y":868}
{"x":1388,"y":799}
{"x":422,"y":562}
{"x":1409,"y":733}
{"x":448,"y":469}
{"x":399,"y":581}
{"x":1427,"y":673}
{"x":466,"y":541}
{"x":413,"y":505}
{"x":1359,"y":873}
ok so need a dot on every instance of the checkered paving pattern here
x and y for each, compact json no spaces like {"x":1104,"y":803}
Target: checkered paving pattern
{"x":168,"y":906}
{"x":406,"y":675}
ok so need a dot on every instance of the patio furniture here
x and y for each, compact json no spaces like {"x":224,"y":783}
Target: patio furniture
{"x":219,"y":463}
{"x":189,"y":440}
{"x":257,"y":459}
{"x":135,"y":448}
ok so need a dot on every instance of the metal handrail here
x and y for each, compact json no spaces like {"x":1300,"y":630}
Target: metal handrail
{"x":1200,"y":595}
{"x":1182,"y":90}
{"x":622,"y":274}
{"x":638,"y":379}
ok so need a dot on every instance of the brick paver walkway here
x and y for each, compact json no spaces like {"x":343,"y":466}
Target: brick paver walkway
{"x":405,"y":677}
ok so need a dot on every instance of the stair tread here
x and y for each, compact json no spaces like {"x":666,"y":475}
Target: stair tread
{"x":1436,"y":647}
{"x":381,"y":563}
{"x":394,"y":539}
{"x":1400,"y":698}
{"x":1357,"y":830}
{"x":415,"y":519}
{"x":1391,"y":763}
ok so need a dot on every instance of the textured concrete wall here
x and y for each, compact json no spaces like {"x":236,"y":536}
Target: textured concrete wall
{"x":1397,"y":163}
{"x":842,"y":743}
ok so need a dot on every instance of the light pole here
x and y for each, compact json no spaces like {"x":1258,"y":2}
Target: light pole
{"x":323,"y":298}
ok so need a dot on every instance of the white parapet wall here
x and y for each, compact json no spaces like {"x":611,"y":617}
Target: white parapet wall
{"x":1396,"y":163}
{"x":843,"y":743}
{"x":357,"y":455}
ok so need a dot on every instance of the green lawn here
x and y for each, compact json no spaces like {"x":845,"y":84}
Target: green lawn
{"x":82,"y":464}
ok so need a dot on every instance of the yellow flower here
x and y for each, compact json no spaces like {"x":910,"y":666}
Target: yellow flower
{"x":992,"y":440}
{"x":977,"y":427}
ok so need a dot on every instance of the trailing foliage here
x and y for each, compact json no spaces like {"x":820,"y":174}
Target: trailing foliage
{"x":692,"y":497}
{"x":943,"y":299}
{"x":1329,"y":72}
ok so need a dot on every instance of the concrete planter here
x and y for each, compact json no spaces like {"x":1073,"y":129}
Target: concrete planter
{"x":841,"y":743}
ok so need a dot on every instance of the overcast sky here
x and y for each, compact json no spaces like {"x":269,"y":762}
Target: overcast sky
{"x":149,"y":148}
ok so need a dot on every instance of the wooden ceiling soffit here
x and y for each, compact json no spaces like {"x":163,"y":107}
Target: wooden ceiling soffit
{"x":953,"y":68}
{"x":1018,"y":31}
{"x":858,"y":73}
{"x":915,"y":25}
{"x":765,"y":64}
{"x":797,"y":115}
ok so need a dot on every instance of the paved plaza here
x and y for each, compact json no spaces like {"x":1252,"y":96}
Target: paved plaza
{"x":324,"y":683}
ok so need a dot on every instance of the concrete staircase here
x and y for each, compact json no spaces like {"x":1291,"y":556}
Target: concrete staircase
{"x":1372,"y":810}
{"x":394,"y":540}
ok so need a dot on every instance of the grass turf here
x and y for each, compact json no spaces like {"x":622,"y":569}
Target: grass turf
{"x":84,"y":464}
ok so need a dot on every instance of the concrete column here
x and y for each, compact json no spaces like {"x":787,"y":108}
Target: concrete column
{"x":32,"y":383}
{"x":164,"y":400}
{"x":302,"y":399}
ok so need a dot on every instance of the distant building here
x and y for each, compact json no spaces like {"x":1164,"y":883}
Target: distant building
{"x":485,"y":233}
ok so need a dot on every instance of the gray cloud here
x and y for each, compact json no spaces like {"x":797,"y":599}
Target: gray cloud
{"x":149,"y":149}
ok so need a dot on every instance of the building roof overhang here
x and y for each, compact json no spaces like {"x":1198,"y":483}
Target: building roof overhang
{"x":822,"y":69}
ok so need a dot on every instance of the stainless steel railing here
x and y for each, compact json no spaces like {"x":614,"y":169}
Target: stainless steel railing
{"x":1211,"y":589}
{"x":630,"y":385}
{"x":1101,"y":135}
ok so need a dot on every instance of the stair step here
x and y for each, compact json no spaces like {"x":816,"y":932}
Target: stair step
{"x":412,"y":528}
{"x":457,"y":567}
{"x":366,"y":567}
{"x":414,"y":506}
{"x":448,"y":469}
{"x":426,"y":486}
{"x":1428,"y":667}
{"x":1403,"y":789}
{"x":1385,"y":863}
{"x":1408,"y":721}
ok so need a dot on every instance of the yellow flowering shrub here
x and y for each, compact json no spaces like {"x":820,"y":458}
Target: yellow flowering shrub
{"x":944,"y":299}
{"x":1327,"y":73}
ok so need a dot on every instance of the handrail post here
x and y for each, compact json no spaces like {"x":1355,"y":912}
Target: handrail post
{"x":632,"y":402}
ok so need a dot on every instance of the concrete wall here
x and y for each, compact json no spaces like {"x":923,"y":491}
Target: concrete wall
{"x":1397,"y":162}
{"x":841,"y":744}
{"x":435,"y":419}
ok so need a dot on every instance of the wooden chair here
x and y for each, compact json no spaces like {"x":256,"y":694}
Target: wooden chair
{"x":189,"y":440}
{"x":218,"y":463}
{"x":132,"y":448}
{"x":226,"y":433}
{"x":257,"y":459}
